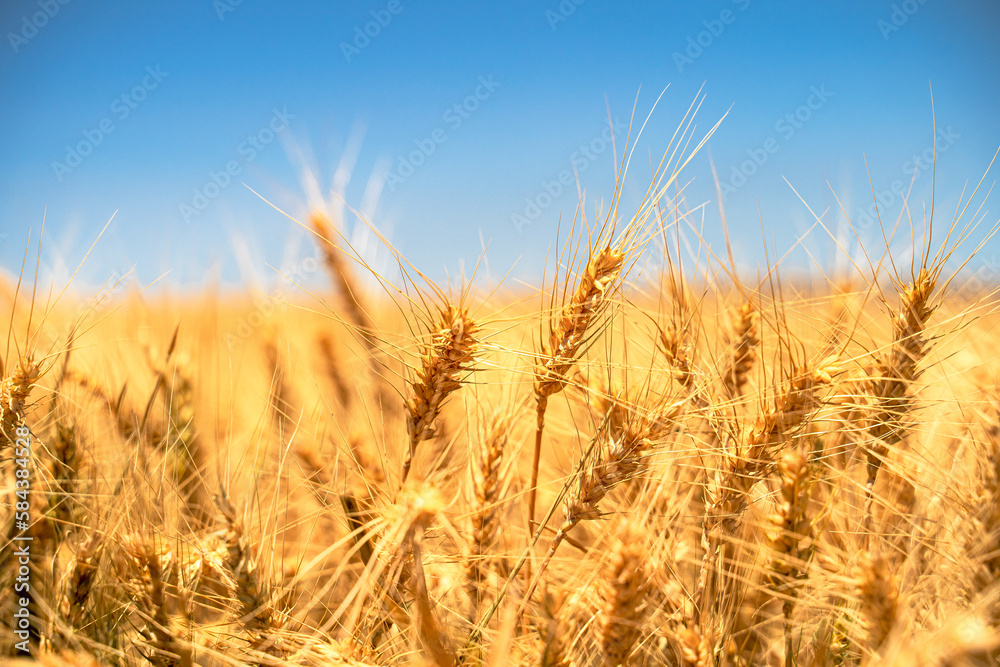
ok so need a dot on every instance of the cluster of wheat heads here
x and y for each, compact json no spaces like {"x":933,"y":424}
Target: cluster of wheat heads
{"x":677,"y":470}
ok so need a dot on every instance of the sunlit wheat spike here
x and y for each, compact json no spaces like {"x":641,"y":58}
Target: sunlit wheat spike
{"x":446,"y":357}
{"x":743,"y":351}
{"x":489,"y":486}
{"x":569,"y":333}
{"x":14,"y":394}
{"x":893,"y":373}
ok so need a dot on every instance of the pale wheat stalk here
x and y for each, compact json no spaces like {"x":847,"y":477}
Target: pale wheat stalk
{"x":431,"y":636}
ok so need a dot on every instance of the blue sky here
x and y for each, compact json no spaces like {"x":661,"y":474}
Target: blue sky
{"x":461,"y":119}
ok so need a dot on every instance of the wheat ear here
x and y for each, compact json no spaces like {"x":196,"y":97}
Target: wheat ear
{"x":753,"y":459}
{"x":167,"y":648}
{"x":255,"y":602}
{"x":624,"y":591}
{"x":567,"y":338}
{"x":555,"y":639}
{"x":742,"y":353}
{"x":608,"y":463}
{"x":878,"y":592}
{"x":14,"y":396}
{"x":489,"y":486}
{"x":334,"y":369}
{"x":449,"y":353}
{"x":791,"y":539}
{"x":80,"y":580}
{"x":343,"y":278}
{"x":893,"y":373}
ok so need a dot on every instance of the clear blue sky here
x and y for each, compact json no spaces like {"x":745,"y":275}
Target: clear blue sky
{"x":200,"y":78}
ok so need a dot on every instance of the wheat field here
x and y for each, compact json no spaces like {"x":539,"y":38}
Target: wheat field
{"x":646,"y":460}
